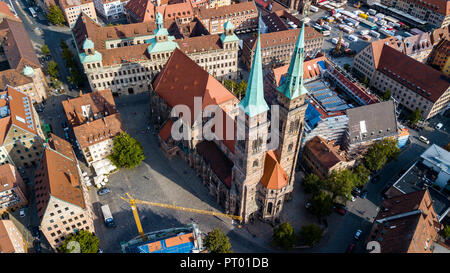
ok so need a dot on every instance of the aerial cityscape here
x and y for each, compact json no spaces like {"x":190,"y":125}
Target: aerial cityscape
{"x":225,"y":126}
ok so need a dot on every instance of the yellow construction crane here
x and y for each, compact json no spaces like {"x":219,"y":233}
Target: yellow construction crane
{"x":132,"y":201}
{"x":339,"y":43}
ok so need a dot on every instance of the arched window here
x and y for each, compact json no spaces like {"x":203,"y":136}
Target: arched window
{"x":255,"y":163}
{"x":290,"y":147}
{"x":269,"y":208}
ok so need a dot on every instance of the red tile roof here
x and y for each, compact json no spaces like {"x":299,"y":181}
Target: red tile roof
{"x":101,"y":103}
{"x":324,"y":152}
{"x":18,"y":49}
{"x":19,"y":110}
{"x":413,"y":74}
{"x":181,"y":80}
{"x":99,"y":130}
{"x":166,"y":130}
{"x":274,"y":177}
{"x":58,"y":175}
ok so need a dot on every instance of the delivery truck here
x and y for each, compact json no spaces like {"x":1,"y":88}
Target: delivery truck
{"x":107,"y":216}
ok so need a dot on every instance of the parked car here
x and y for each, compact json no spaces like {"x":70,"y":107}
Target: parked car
{"x":364,"y":194}
{"x":350,"y":248}
{"x":36,"y":232}
{"x":103,"y":191}
{"x":439,"y":126}
{"x":357,"y":234}
{"x":356,"y":191}
{"x":22,"y":213}
{"x":424,"y":139}
{"x":340,"y":210}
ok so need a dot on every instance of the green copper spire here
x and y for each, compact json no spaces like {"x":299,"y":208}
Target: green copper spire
{"x":253,"y":102}
{"x":293,"y":86}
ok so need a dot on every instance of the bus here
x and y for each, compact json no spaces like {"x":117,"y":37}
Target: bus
{"x":33,"y":13}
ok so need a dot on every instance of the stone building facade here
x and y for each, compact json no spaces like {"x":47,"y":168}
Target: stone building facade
{"x":12,"y":189}
{"x":22,"y":137}
{"x":130,"y":67}
{"x":248,"y":175}
{"x":62,"y":199}
{"x":94,"y":120}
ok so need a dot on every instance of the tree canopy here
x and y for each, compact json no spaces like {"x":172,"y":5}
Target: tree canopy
{"x":362,"y":174}
{"x":52,"y":69}
{"x":321,"y":204}
{"x":310,"y":234}
{"x":386,"y":95}
{"x":45,"y":50}
{"x":311,"y":183}
{"x":55,"y":15}
{"x":414,"y":117}
{"x":378,"y":154}
{"x":340,"y":183}
{"x":238,"y":89}
{"x":127,"y":152}
{"x":88,"y":243}
{"x":284,"y":236}
{"x":217,"y":242}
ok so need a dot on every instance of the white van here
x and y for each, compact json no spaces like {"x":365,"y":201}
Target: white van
{"x":364,"y":32}
{"x":375,"y":34}
{"x":352,"y":38}
{"x":424,"y":139}
{"x":372,"y":11}
{"x":326,"y":33}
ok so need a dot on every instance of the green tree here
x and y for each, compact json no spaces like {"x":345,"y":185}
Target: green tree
{"x":321,"y":205}
{"x":362,"y":174}
{"x":340,"y":183}
{"x":45,"y":50}
{"x":390,"y":148}
{"x":55,"y":82}
{"x":68,"y":56}
{"x":52,"y":69}
{"x":311,"y":183}
{"x":414,"y":117}
{"x":88,"y":242}
{"x":310,"y":234}
{"x":75,"y":76}
{"x":55,"y":15}
{"x":217,"y":242}
{"x":375,"y":158}
{"x":284,"y":236}
{"x":365,"y":81}
{"x":238,"y":89}
{"x":446,"y":231}
{"x":127,"y":152}
{"x":386,"y":95}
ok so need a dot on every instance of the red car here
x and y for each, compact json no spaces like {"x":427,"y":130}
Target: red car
{"x":340,"y":210}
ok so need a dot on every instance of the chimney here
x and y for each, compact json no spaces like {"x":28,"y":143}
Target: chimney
{"x":81,"y":94}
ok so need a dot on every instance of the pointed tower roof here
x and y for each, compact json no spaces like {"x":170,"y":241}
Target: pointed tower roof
{"x":293,"y":86}
{"x":253,"y":102}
